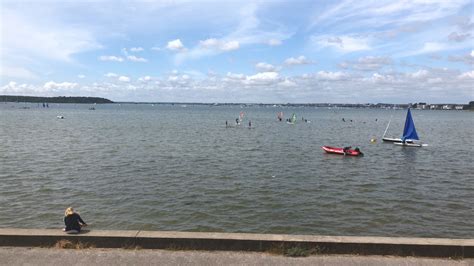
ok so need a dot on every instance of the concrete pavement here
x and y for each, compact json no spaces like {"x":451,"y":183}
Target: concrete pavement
{"x":55,"y":256}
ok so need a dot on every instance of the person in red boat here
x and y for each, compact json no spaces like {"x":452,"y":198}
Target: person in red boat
{"x":345,"y":149}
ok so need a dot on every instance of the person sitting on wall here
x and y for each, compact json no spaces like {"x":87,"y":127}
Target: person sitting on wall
{"x":73,"y":221}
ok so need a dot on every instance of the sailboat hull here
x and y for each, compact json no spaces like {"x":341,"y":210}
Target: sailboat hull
{"x":407,"y":144}
{"x":387,"y":139}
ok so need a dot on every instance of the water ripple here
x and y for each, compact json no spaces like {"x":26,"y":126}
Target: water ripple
{"x":170,"y":168}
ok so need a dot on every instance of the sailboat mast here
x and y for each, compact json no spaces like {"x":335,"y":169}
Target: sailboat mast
{"x":387,"y":126}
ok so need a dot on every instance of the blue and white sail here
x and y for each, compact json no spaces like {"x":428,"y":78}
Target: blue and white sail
{"x":409,"y":132}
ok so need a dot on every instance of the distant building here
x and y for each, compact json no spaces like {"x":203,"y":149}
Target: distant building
{"x":421,"y":106}
{"x":459,"y":107}
{"x":433,"y":107}
{"x":447,"y":107}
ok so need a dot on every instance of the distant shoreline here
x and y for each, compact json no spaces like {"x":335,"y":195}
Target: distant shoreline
{"x":59,"y":99}
{"x":98,"y":100}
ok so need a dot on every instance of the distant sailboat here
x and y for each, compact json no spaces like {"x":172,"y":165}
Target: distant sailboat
{"x":292,"y":120}
{"x":409,"y":133}
{"x":241,"y":116}
{"x":280,"y":116}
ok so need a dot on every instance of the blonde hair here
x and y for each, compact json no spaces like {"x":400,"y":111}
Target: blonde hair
{"x":69,"y":211}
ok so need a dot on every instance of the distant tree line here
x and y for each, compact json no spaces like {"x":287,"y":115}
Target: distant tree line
{"x":60,"y":99}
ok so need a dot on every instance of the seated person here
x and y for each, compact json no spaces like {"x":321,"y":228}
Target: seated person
{"x":73,"y":221}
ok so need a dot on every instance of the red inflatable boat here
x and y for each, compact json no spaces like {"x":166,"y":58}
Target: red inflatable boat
{"x":343,"y":151}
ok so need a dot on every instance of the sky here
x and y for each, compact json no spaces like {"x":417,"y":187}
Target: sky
{"x":240,"y":51}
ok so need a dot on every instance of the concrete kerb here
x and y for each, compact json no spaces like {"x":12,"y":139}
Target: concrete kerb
{"x":398,"y":246}
{"x":49,"y":237}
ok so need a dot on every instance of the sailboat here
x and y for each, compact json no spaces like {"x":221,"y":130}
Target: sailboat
{"x":280,"y":116}
{"x":241,"y":116}
{"x":409,"y":133}
{"x":390,"y":139}
{"x":292,"y":120}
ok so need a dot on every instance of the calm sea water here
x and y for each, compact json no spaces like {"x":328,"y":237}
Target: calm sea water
{"x":163,"y":167}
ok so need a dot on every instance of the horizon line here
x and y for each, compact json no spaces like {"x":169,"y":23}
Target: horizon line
{"x":239,"y":103}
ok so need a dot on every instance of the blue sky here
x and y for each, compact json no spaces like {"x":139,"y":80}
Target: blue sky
{"x":240,"y":51}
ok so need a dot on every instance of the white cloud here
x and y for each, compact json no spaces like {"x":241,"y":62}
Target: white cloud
{"x":466,"y":58}
{"x":195,"y":74}
{"x":136,"y":59}
{"x":175,"y":45}
{"x":344,"y":43}
{"x":235,"y":76}
{"x":136,"y":49}
{"x":222,"y":45}
{"x":145,"y":79}
{"x":111,"y":75}
{"x":253,"y":30}
{"x":13,"y":88}
{"x":179,"y":81}
{"x":300,"y":60}
{"x":367,"y":63}
{"x":398,"y":28}
{"x":287,"y":83}
{"x":42,"y":37}
{"x":207,"y":47}
{"x":54,"y":86}
{"x":458,"y":37}
{"x":248,"y":31}
{"x":124,"y":79}
{"x":327,"y":75}
{"x":81,"y":76}
{"x":230,"y":45}
{"x":431,"y":47}
{"x":251,"y":24}
{"x":263,"y":78}
{"x":467,"y":75}
{"x":274,"y":42}
{"x":380,"y":78}
{"x":265,"y":67}
{"x":420,"y":74}
{"x":16,"y":72}
{"x":272,"y":87}
{"x":112,"y":58}
{"x":347,"y":15}
{"x":435,"y":80}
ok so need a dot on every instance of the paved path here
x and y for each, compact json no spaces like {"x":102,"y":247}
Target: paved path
{"x":53,"y":256}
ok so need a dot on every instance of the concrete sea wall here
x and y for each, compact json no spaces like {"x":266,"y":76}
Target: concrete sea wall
{"x":398,"y":246}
